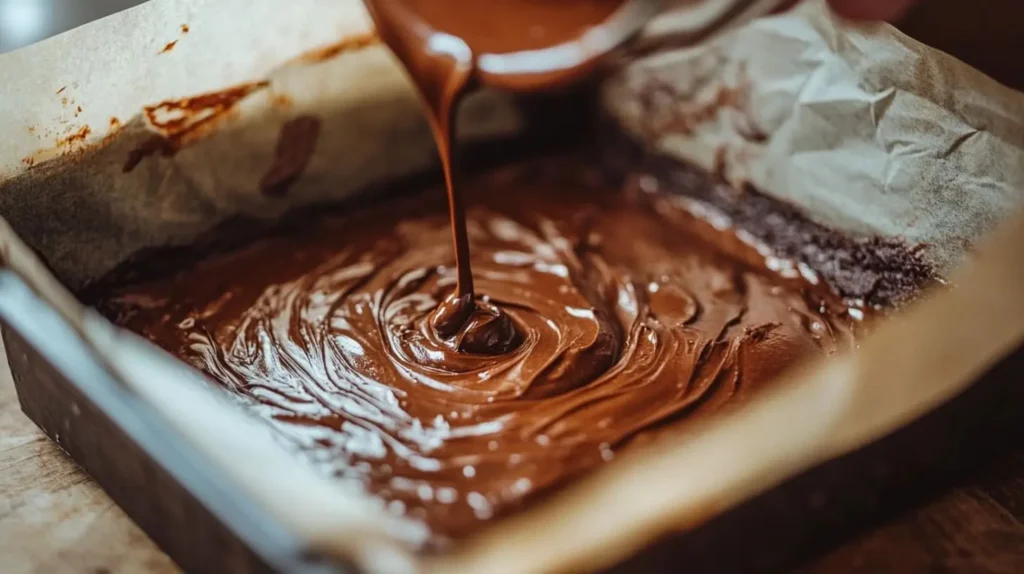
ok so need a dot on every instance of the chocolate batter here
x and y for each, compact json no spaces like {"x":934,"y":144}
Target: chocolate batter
{"x":608,"y":314}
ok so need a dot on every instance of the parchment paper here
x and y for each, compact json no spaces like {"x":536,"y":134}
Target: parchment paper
{"x":863,"y":129}
{"x":84,"y":214}
{"x":866,"y":130}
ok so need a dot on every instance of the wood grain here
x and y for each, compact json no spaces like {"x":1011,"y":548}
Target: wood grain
{"x":55,"y":519}
{"x":976,"y":528}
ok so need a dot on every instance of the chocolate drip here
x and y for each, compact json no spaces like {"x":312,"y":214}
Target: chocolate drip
{"x":441,"y":45}
{"x":604,"y":316}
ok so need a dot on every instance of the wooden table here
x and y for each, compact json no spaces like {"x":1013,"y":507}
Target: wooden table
{"x":55,"y":519}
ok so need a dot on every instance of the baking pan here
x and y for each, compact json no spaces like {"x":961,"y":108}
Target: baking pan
{"x":193,"y":511}
{"x":195,"y":515}
{"x":82,"y":207}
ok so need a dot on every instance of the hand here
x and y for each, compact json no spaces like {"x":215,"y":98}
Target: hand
{"x":887,"y":10}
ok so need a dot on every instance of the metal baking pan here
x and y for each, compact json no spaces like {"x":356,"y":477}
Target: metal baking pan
{"x":206,"y":525}
{"x":196,"y":513}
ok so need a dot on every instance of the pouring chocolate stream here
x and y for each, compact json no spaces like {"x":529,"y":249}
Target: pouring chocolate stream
{"x":451,"y":47}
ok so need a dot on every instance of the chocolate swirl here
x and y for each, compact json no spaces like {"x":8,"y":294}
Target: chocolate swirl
{"x":602,"y":316}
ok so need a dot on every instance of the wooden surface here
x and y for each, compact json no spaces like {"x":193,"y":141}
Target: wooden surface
{"x":54,"y":519}
{"x":975,"y":528}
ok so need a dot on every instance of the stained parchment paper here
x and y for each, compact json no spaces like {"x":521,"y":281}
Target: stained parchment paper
{"x":98,"y":161}
{"x":77,"y":107}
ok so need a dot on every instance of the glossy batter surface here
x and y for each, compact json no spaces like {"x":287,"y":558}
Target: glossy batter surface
{"x":618,"y":315}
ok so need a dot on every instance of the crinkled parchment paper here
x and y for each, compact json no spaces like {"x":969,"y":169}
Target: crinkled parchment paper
{"x":865,"y":130}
